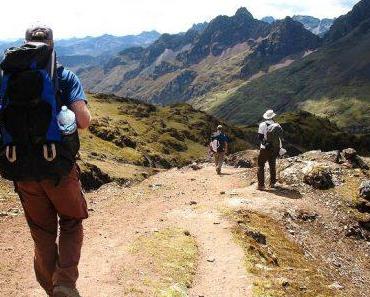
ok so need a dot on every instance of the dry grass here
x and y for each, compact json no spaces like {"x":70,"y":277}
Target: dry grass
{"x":168,"y":260}
{"x":280,"y":266}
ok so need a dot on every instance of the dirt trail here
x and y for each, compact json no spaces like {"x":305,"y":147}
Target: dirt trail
{"x":182,"y":198}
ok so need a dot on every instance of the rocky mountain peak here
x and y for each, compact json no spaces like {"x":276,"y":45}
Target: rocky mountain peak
{"x":268,"y":19}
{"x":287,"y":37}
{"x":243,"y":12}
{"x":346,"y":23}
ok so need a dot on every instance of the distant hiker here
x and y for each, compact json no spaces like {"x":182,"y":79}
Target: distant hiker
{"x":219,"y":147}
{"x":269,"y":134}
{"x":42,"y":104}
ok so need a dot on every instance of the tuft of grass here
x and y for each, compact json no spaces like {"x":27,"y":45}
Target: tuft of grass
{"x":170,"y":256}
{"x":280,"y":266}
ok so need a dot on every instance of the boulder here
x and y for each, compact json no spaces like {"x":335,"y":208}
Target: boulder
{"x":354,"y":159}
{"x":319,"y":178}
{"x":244,"y":159}
{"x":364,"y":190}
{"x":243,"y":164}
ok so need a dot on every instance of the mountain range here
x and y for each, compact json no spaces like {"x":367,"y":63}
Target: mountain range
{"x":333,"y":82}
{"x":92,"y":50}
{"x":183,"y":67}
{"x":315,"y":25}
{"x":236,"y":66}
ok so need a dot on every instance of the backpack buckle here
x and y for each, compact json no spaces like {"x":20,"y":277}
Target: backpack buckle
{"x":50,"y":152}
{"x":11,"y":153}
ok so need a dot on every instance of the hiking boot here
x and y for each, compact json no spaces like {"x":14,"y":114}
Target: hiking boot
{"x":63,"y":291}
{"x":273,"y":186}
{"x":261,"y":188}
{"x":218,"y":170}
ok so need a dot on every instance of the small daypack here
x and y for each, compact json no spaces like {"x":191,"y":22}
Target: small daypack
{"x":217,"y":144}
{"x":32,"y":146}
{"x":273,"y":136}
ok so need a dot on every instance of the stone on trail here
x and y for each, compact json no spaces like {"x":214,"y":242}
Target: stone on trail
{"x":319,"y":178}
{"x":365,"y":190}
{"x":336,"y":286}
{"x":195,"y":166}
{"x":354,"y":159}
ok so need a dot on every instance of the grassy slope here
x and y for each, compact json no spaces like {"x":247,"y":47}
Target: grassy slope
{"x":304,"y":131}
{"x":128,"y":131}
{"x":332,"y":75}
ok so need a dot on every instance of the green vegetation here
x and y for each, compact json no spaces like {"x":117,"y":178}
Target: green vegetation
{"x":334,"y":74}
{"x":280,"y":266}
{"x":140,"y":134}
{"x":304,"y":131}
{"x":169,"y":259}
{"x":354,"y":204}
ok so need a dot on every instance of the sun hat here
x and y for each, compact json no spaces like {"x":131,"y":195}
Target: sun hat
{"x":39,"y":33}
{"x":269,"y":114}
{"x":219,"y":127}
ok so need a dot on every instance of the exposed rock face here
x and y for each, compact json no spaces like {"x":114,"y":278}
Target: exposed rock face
{"x":163,"y":68}
{"x":315,"y":25}
{"x":268,"y":19}
{"x":346,"y":23}
{"x":167,"y":41}
{"x":319,"y":178}
{"x":176,"y":90}
{"x":224,"y":32}
{"x":286,"y":38}
{"x":200,"y":27}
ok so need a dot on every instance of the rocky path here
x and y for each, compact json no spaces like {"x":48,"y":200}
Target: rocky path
{"x":182,"y":198}
{"x":194,"y":200}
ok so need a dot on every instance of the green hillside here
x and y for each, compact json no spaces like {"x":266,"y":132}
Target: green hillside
{"x":131,"y":132}
{"x":333,"y":82}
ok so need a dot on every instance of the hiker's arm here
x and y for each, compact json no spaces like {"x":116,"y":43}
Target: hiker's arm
{"x":82,"y":113}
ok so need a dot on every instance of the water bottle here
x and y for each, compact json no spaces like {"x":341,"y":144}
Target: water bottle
{"x":67,"y":121}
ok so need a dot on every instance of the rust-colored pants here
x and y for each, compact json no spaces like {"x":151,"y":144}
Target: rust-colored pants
{"x":43,"y":203}
{"x":269,"y":156}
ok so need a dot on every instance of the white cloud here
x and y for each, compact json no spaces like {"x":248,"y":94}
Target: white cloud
{"x":83,"y":17}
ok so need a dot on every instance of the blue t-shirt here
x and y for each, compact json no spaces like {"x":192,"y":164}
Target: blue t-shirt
{"x":221,"y":137}
{"x":70,"y":86}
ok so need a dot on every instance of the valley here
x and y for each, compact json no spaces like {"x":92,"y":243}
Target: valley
{"x":162,"y":222}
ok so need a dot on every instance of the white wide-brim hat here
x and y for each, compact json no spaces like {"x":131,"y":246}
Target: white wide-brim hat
{"x":269,"y":114}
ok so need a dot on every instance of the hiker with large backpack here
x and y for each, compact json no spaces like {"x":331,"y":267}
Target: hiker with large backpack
{"x":219,"y":147}
{"x":42,"y":105}
{"x":270,"y":135}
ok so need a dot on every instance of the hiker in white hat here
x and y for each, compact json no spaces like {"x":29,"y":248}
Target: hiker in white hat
{"x":219,"y":147}
{"x":270,"y":134}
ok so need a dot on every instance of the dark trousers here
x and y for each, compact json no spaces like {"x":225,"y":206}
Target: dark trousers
{"x":269,"y":156}
{"x":43,"y":203}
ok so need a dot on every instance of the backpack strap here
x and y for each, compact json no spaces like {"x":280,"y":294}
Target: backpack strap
{"x":53,"y":72}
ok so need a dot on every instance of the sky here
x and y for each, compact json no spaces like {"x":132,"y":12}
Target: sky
{"x":79,"y":18}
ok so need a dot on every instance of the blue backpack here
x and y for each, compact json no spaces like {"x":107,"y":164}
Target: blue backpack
{"x":32,"y":146}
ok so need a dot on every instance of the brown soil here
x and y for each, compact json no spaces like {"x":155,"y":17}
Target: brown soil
{"x":183,"y":198}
